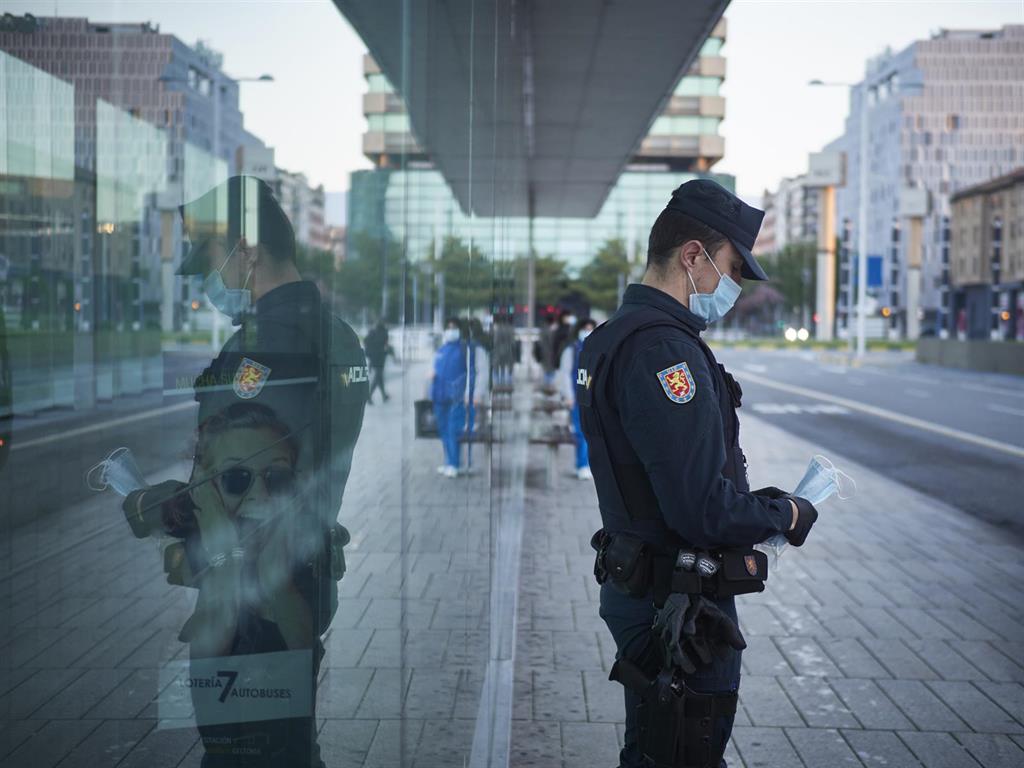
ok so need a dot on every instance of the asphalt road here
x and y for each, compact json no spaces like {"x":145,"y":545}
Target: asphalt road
{"x":954,"y":435}
{"x":51,"y":451}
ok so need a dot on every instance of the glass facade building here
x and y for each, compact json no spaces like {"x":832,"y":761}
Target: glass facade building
{"x":213,"y":550}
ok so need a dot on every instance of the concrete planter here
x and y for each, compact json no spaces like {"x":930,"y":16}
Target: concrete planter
{"x":992,"y":356}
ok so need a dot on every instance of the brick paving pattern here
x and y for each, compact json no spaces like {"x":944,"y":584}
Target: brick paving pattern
{"x":895,"y":637}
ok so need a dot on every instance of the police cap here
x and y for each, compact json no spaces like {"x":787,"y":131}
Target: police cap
{"x":712,"y":204}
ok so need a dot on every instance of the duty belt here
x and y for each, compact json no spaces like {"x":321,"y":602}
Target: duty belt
{"x":637,"y":568}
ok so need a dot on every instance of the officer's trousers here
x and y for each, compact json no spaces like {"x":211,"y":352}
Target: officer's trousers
{"x":630,"y":620}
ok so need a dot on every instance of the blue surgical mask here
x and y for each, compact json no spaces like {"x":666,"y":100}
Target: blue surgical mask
{"x":714,"y":306}
{"x":233,"y":302}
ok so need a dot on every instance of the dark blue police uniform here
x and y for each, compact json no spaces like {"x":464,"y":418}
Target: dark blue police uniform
{"x":659,"y":415}
{"x":667,"y":465}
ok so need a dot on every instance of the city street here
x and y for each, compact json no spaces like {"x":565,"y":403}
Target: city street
{"x":950,"y":434}
{"x":156,"y":425}
{"x":893,"y":638}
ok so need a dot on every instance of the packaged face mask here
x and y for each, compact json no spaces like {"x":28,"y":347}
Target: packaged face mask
{"x":118,"y":472}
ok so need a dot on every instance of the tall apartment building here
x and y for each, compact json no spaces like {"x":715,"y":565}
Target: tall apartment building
{"x":304,"y":205}
{"x":943,"y":114}
{"x":404,"y":197}
{"x":790,"y":216}
{"x":986,"y":258}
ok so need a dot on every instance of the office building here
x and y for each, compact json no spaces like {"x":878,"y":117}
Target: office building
{"x":405,"y":198}
{"x":986,"y":258}
{"x":942,"y":115}
{"x":304,"y":205}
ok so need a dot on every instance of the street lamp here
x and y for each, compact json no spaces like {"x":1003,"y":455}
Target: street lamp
{"x":862,"y":208}
{"x":862,"y":217}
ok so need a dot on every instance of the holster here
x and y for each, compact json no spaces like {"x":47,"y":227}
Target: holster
{"x":675,"y":724}
{"x":622,"y":561}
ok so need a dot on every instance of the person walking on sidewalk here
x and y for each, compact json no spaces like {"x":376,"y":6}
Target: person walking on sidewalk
{"x":378,"y":347}
{"x":567,"y":368}
{"x":679,"y":521}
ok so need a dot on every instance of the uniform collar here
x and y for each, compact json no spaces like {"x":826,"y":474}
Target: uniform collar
{"x":637,"y":293}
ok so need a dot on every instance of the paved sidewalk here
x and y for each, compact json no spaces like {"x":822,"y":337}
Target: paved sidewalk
{"x":894,"y":637}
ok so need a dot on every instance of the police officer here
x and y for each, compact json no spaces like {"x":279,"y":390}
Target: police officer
{"x":291,"y":359}
{"x":679,"y":520}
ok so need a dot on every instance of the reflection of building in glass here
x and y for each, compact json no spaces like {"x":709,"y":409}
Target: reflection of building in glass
{"x":107,"y":128}
{"x":943,"y":114}
{"x":304,"y":205}
{"x":986,"y":257}
{"x":405,"y":199}
{"x":144,"y":100}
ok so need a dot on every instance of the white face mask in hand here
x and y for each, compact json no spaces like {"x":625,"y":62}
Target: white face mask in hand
{"x":118,"y":472}
{"x":822,"y":480}
{"x":714,"y":306}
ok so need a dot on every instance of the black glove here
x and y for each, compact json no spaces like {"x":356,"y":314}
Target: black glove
{"x":770,"y":491}
{"x":668,"y":628}
{"x":806,"y":515}
{"x":149,"y":510}
{"x":711,"y":628}
{"x":691,"y":628}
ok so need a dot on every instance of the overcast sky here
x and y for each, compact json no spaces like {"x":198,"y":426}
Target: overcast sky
{"x":312,"y":113}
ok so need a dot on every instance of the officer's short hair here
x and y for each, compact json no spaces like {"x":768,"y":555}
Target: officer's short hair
{"x":671,"y":230}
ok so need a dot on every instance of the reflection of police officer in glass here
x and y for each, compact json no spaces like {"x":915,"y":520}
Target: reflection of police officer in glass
{"x":289,"y":356}
{"x":659,"y":415}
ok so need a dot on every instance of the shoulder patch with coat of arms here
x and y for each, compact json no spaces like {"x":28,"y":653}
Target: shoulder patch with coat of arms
{"x":678,"y":383}
{"x":250,"y":378}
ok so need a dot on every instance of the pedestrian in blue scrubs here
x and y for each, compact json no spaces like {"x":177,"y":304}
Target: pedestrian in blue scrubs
{"x":567,"y":369}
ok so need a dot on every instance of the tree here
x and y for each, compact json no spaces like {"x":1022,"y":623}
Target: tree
{"x":468,"y":276}
{"x":359,"y":283}
{"x":550,"y":279}
{"x":601,"y":280}
{"x":794,"y":274}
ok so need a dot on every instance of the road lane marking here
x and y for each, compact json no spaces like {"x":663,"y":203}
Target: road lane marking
{"x":993,"y":390}
{"x":889,"y":374}
{"x":100,"y":426}
{"x":899,"y":418}
{"x":780,"y":408}
{"x":1004,"y":409}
